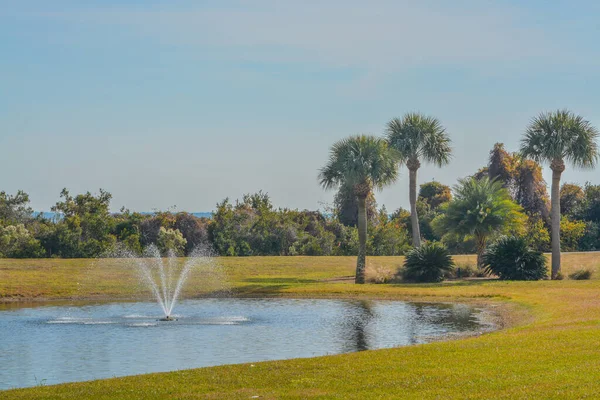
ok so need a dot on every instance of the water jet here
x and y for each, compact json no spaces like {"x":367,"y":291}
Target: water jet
{"x":165,"y":275}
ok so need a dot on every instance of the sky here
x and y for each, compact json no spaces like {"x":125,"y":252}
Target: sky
{"x":179,"y":104}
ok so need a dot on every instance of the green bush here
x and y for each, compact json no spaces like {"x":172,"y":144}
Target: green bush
{"x":462,"y":271}
{"x":428,"y":263}
{"x":171,"y":240}
{"x":17,"y":242}
{"x":511,"y":258}
{"x":581,"y":275}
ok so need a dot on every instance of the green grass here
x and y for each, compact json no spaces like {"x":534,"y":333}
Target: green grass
{"x":50,"y":279}
{"x":551,"y":350}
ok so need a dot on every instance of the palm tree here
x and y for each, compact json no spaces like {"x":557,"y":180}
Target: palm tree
{"x":362,"y":162}
{"x":481,"y":208}
{"x":556,"y":137}
{"x":418,"y":137}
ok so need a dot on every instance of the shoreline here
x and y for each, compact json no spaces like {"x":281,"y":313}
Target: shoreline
{"x":491,"y":317}
{"x":540,"y":324}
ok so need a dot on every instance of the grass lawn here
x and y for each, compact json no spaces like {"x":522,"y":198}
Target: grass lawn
{"x":551,"y":351}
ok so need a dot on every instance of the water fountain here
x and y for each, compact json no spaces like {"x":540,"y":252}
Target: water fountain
{"x":166,"y":276}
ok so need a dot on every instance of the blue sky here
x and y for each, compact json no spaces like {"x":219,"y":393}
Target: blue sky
{"x":183,"y":103}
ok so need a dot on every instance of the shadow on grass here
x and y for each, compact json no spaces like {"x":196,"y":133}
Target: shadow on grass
{"x":449,"y":283}
{"x":273,"y":287}
{"x":267,"y":286}
{"x":258,"y":290}
{"x":279,"y":280}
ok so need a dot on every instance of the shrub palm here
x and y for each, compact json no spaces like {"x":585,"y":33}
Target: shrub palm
{"x":511,"y":258}
{"x":427,"y":263}
{"x":480,"y":209}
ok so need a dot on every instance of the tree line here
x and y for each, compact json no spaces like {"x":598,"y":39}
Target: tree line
{"x":85,"y":227}
{"x":506,"y":196}
{"x":484,"y":206}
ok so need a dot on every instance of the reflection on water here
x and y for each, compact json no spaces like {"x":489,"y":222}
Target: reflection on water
{"x":459,"y":316}
{"x":65,"y":343}
{"x":355,"y":325}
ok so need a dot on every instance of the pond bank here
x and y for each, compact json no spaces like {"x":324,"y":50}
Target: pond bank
{"x":548,"y":349}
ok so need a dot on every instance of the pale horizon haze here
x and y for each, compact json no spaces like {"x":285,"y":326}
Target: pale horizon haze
{"x":184,"y":103}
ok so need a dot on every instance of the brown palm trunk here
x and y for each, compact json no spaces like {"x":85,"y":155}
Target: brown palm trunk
{"x":362,"y":239}
{"x":481,"y":241}
{"x":557,"y":166}
{"x":413,"y":165}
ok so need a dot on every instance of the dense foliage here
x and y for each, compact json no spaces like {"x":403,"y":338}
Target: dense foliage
{"x":85,"y":227}
{"x":480,"y":210}
{"x":346,"y":206}
{"x":511,"y":258}
{"x":522,"y":178}
{"x":253,"y":226}
{"x":17,"y":242}
{"x":428,"y":263}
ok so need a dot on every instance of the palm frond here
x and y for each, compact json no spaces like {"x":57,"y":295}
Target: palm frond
{"x":482,"y":207}
{"x":561,"y":135}
{"x":360,"y":159}
{"x":417,"y":136}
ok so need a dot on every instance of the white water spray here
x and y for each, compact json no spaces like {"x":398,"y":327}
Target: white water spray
{"x":167,"y":276}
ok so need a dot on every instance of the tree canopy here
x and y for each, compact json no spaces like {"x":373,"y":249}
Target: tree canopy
{"x":561,"y":135}
{"x":360,"y":161}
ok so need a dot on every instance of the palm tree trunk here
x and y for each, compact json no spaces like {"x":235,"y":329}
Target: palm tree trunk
{"x":413,"y":166}
{"x":480,"y":242}
{"x":557,"y":166}
{"x":362,"y":239}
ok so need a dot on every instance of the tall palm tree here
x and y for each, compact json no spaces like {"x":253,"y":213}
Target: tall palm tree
{"x":362,"y":162}
{"x":418,"y":137}
{"x":556,"y":137}
{"x":480,"y":209}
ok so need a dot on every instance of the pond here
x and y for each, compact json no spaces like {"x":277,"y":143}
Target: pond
{"x":56,"y":344}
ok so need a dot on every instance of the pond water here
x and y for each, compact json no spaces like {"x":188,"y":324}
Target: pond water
{"x":55,"y":344}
